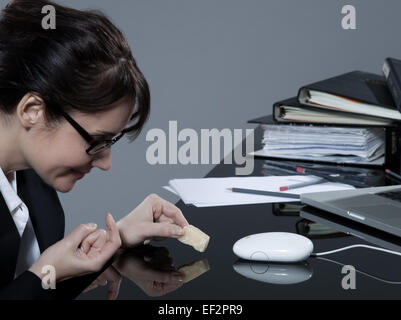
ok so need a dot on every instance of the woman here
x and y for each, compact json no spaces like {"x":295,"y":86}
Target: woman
{"x":66,"y":96}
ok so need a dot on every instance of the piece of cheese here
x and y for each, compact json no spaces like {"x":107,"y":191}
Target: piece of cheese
{"x":195,"y":238}
{"x":194,"y":270}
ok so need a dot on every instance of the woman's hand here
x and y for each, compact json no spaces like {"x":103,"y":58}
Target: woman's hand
{"x":153,"y":217}
{"x":84,"y":250}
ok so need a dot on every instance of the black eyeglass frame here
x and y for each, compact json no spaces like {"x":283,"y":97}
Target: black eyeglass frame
{"x":93,"y":142}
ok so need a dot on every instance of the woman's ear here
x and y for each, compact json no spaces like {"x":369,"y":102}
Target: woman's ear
{"x":30,"y":110}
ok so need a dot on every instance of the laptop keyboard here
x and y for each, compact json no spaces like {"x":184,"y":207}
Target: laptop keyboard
{"x":393,"y":195}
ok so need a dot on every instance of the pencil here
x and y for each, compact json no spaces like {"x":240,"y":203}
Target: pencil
{"x":318,"y":174}
{"x":265,"y":193}
{"x":351,"y":179}
{"x":393,"y":174}
{"x":302,"y":184}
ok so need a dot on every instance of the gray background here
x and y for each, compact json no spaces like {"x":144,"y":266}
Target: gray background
{"x":216,"y":64}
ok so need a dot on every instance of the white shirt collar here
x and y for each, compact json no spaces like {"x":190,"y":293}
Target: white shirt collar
{"x":9,"y":191}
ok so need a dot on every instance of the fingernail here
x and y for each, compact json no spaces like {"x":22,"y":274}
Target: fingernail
{"x":112,"y":218}
{"x":91,"y":225}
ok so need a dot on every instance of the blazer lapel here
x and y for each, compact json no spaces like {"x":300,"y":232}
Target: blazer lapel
{"x":44,"y":206}
{"x":9,"y":243}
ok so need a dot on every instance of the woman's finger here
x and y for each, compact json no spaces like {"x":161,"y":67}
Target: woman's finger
{"x":166,"y":230}
{"x":113,"y":233}
{"x":161,"y":206}
{"x":80,"y":233}
{"x":163,"y":218}
{"x":95,"y":240}
{"x":113,"y":242}
{"x":99,"y":241}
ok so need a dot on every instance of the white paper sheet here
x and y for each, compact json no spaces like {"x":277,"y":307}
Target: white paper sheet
{"x":168,"y":188}
{"x":208,"y":192}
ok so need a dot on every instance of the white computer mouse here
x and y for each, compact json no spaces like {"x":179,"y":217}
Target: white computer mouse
{"x":274,"y":247}
{"x":274,"y":273}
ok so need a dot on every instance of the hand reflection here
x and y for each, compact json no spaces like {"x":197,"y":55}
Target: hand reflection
{"x":111,"y":277}
{"x":151,"y":268}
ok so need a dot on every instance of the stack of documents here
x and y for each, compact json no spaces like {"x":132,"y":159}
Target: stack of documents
{"x":209,"y":192}
{"x":333,"y":144}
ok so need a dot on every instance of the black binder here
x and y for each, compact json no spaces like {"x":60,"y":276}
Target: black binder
{"x":281,"y":114}
{"x":356,"y":86}
{"x":392,"y":72}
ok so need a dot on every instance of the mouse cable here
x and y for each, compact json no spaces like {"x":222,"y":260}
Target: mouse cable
{"x":354,"y":246}
{"x":363,"y":273}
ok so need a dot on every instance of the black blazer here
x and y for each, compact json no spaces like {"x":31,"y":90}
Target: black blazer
{"x":48,"y":221}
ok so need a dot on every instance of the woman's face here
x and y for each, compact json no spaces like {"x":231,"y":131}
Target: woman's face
{"x":58,"y":155}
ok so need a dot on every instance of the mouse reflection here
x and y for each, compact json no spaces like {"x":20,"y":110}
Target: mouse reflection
{"x":151,"y":269}
{"x":274,"y":273}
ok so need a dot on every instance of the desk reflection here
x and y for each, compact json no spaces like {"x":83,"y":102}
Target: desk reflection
{"x":151,"y":269}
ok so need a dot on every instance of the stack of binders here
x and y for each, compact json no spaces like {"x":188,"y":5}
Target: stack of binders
{"x":353,"y":118}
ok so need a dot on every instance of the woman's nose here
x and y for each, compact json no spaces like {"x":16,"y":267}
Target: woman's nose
{"x":102,"y":160}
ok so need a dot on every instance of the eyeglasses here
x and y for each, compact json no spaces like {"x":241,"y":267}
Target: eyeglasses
{"x":95,"y":145}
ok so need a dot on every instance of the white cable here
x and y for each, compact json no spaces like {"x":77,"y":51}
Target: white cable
{"x":355,"y":246}
{"x":364,"y":273}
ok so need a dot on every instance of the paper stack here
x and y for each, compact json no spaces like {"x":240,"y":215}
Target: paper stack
{"x":208,"y":192}
{"x":329,"y":144}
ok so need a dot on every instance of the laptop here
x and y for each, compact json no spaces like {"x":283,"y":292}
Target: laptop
{"x":377,"y":207}
{"x":348,"y":227}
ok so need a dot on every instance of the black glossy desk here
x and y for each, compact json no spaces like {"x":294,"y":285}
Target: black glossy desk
{"x":378,"y":275}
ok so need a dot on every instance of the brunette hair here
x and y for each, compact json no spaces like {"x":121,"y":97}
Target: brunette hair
{"x":84,"y":64}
